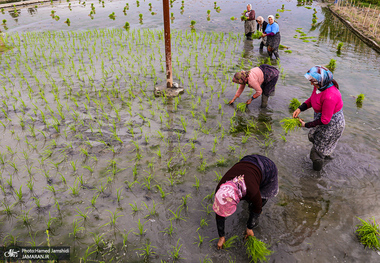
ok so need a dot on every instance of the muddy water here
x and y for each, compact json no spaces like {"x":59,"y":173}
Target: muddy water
{"x":311,"y":220}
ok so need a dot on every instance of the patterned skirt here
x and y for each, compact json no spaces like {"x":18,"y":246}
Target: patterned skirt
{"x":270,"y":79}
{"x":274,"y":42}
{"x":269,"y":180}
{"x":325,"y":137}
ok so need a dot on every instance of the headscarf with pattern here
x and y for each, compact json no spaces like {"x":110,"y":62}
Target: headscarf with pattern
{"x":242,"y":75}
{"x":229,"y":195}
{"x":320,"y":76}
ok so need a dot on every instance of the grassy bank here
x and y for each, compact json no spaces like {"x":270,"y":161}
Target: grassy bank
{"x":364,"y":19}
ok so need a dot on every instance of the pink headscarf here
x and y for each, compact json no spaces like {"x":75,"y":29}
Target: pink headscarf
{"x":229,"y":195}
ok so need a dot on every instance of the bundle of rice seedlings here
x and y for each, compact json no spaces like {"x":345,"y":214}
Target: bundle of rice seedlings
{"x":230,"y":242}
{"x":241,"y":106}
{"x":257,"y":250}
{"x":340,"y":45}
{"x":332,"y":65}
{"x":290,"y":124}
{"x":257,"y":34}
{"x":294,"y":104}
{"x":359,"y":99}
{"x":369,"y":234}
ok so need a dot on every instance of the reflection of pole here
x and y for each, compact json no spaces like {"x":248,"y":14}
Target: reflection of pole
{"x":168,"y":53}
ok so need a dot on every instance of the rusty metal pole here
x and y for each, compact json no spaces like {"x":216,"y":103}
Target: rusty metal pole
{"x":168,"y":52}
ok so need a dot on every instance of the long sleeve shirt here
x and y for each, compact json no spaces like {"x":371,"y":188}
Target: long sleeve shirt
{"x":326,"y":102}
{"x":250,"y":15}
{"x":255,"y":79}
{"x":252,"y":179}
{"x":272,"y":29}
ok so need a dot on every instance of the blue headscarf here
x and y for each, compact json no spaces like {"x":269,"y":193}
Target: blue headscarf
{"x":320,"y":76}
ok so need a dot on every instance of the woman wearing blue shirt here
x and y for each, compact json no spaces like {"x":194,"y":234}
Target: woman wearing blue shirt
{"x":272,"y":32}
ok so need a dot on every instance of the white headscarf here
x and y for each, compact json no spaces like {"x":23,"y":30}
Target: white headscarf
{"x":250,"y":5}
{"x":260,"y":18}
{"x":271,"y":17}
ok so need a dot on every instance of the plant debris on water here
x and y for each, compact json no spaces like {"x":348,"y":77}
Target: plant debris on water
{"x":360,"y":99}
{"x":257,"y":250}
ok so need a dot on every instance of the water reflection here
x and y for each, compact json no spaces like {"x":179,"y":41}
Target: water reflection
{"x":331,"y":28}
{"x":302,"y":214}
{"x":32,"y":11}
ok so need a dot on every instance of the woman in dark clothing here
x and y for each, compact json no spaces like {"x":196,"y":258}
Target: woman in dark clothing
{"x":261,"y":26}
{"x":254,"y":179}
{"x":249,"y":22}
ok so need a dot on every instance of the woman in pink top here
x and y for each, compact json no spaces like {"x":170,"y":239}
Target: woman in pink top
{"x":328,"y":124}
{"x":262,"y":79}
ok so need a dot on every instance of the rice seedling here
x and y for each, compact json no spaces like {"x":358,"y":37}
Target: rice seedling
{"x":152,"y":211}
{"x":76,"y":229}
{"x":199,"y":239}
{"x":93,"y":199}
{"x":257,"y":250}
{"x":113,"y":217}
{"x":369,"y":234}
{"x":175,"y":251}
{"x":184,"y":200}
{"x":230,"y":242}
{"x":25,"y":218}
{"x":140,"y":228}
{"x":208,"y":209}
{"x":19,"y":194}
{"x":162,"y":192}
{"x":294,"y":104}
{"x":203,"y":223}
{"x":290,"y":124}
{"x":177,"y":214}
{"x":332,"y":65}
{"x":169,"y":230}
{"x":196,"y":185}
{"x":147,"y":251}
{"x":81,"y":214}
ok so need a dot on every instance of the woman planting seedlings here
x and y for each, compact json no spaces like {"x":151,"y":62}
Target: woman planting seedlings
{"x":262,"y":79}
{"x":328,"y":124}
{"x":254,"y":179}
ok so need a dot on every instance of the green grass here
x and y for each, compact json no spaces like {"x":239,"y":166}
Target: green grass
{"x":257,"y":250}
{"x":369,"y":234}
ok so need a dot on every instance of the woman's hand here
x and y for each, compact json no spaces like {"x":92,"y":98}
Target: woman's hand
{"x":221,"y":242}
{"x":249,"y":233}
{"x":231,"y":101}
{"x":302,"y":123}
{"x":263,"y":35}
{"x":249,"y":101}
{"x":296,"y":113}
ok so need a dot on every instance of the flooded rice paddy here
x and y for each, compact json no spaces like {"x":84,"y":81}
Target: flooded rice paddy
{"x":88,"y":153}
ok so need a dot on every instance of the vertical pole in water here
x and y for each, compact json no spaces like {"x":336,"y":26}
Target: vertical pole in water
{"x":168,"y":53}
